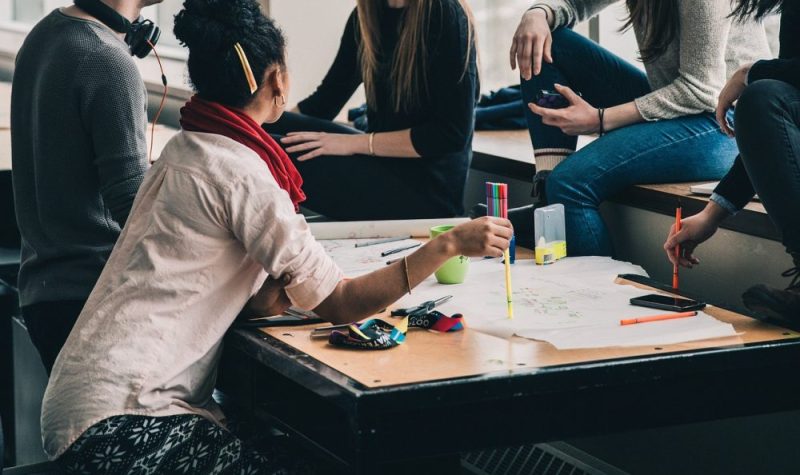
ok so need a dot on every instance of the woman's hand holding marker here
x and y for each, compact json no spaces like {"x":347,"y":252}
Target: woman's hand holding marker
{"x":486,"y":236}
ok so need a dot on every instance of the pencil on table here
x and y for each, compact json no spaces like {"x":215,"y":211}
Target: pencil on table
{"x":657,"y":318}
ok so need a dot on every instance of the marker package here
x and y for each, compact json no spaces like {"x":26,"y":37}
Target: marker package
{"x":550,"y":234}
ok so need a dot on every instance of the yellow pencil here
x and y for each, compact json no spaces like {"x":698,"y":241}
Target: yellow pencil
{"x":508,"y":285}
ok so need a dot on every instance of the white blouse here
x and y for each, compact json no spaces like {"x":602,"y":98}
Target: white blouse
{"x":208,"y":225}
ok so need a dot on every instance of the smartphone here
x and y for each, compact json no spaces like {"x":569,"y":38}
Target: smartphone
{"x":665,"y":302}
{"x":552,"y":99}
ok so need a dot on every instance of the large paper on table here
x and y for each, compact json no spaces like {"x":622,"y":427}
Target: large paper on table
{"x":355,"y":261}
{"x":574,"y":303}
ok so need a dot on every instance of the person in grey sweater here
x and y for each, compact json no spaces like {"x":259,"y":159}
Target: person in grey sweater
{"x":656,"y":126}
{"x":79,"y":154}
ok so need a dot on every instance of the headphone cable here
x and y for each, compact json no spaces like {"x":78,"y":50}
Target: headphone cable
{"x":161,"y":106}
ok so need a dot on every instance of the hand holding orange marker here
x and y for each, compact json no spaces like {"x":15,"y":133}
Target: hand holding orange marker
{"x":677,"y":248}
{"x":657,"y":318}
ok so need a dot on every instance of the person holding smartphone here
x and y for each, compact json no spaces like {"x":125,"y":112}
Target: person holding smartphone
{"x":214,"y":226}
{"x":767,"y":130}
{"x":655,"y":126}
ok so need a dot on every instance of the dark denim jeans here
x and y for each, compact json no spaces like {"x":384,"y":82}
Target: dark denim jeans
{"x":690,"y":148}
{"x":768,"y":133}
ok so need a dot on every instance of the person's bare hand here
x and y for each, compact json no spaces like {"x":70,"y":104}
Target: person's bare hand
{"x":695,"y":230}
{"x":579,"y":118}
{"x":486,"y":236}
{"x":532,"y":43}
{"x":271,"y":298}
{"x":315,"y":144}
{"x":729,"y":95}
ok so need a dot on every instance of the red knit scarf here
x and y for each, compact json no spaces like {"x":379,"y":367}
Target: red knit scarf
{"x":199,"y":115}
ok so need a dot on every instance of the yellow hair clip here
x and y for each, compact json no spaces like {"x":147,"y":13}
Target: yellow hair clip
{"x":248,"y":71}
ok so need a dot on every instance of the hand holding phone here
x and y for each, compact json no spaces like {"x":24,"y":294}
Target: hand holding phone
{"x":552,"y":99}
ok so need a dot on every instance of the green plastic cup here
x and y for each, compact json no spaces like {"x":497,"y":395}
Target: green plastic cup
{"x":454,"y":271}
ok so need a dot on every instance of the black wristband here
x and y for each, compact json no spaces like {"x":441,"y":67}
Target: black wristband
{"x":601,"y":113}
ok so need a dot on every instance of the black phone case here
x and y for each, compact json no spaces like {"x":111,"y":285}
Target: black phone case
{"x":673,"y":308}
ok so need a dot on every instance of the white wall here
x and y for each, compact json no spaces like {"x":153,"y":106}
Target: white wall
{"x":313,"y":29}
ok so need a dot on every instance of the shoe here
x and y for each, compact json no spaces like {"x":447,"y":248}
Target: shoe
{"x":539,"y":193}
{"x":773,"y":304}
{"x":521,"y":218}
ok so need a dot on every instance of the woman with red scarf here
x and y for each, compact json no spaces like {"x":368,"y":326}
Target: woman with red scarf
{"x":213,"y":229}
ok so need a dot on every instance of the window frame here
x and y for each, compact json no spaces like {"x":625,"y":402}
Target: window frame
{"x":12,"y":34}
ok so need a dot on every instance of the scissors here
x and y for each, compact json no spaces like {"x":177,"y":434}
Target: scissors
{"x":290,"y":318}
{"x":421,"y":309}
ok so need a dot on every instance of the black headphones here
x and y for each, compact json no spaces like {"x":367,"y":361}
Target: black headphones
{"x":139,"y":35}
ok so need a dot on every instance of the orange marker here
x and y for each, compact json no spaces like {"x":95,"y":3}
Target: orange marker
{"x":677,"y":249}
{"x":657,"y":318}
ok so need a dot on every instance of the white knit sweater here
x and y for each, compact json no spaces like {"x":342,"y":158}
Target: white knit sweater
{"x":689,"y":76}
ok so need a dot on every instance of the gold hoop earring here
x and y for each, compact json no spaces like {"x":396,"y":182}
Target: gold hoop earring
{"x":283,"y":101}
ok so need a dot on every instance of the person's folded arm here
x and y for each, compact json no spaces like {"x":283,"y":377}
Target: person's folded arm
{"x":735,"y":190}
{"x":261,"y":217}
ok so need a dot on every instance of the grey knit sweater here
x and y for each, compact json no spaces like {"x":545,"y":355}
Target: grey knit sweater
{"x":78,"y":123}
{"x":688,"y":78}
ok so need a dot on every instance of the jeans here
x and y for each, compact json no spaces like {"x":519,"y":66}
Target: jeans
{"x":49,"y":324}
{"x":768,"y":133}
{"x":360,"y":187}
{"x":689,"y":148}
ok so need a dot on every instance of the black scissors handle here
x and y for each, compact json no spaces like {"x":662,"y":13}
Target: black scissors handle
{"x":420,"y":309}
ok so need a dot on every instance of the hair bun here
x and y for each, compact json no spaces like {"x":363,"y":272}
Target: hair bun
{"x":213,"y":25}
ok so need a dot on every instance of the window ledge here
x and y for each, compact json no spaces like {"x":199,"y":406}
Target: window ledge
{"x":12,"y":35}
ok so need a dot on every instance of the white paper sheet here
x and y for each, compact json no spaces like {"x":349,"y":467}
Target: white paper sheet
{"x":574,"y":303}
{"x":379,"y":229}
{"x":356,"y":261}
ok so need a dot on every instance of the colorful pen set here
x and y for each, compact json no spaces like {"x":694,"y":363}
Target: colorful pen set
{"x":497,"y":203}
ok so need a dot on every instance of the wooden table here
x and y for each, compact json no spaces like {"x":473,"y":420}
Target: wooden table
{"x":441,"y":394}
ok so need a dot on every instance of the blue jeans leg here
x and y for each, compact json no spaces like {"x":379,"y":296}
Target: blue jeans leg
{"x":603,"y":78}
{"x":689,"y":148}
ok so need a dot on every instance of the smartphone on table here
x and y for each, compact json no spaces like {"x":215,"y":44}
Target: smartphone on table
{"x":665,"y":302}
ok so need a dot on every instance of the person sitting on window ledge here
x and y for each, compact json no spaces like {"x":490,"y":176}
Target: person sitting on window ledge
{"x":767,"y":130}
{"x":656,"y":126}
{"x":417,"y":61}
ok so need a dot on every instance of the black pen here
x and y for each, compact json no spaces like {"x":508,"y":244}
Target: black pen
{"x":400,"y":249}
{"x":382,"y":241}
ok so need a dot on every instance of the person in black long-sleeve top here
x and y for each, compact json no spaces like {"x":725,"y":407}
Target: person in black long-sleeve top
{"x":767,"y":131}
{"x":417,"y":61}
